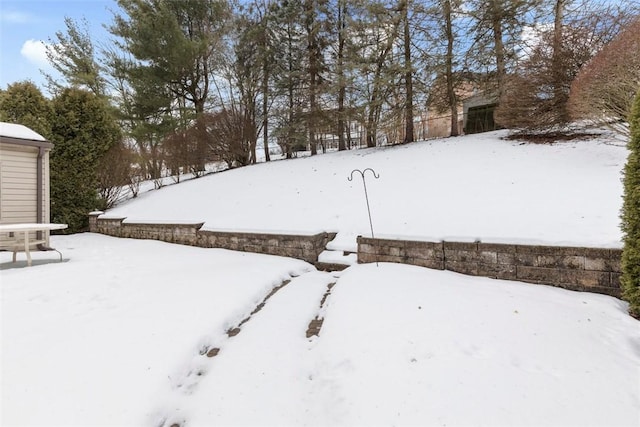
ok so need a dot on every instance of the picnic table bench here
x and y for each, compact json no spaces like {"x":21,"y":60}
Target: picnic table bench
{"x":21,"y":239}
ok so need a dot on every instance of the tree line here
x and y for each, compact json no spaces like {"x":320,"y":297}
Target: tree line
{"x":198,"y":80}
{"x":181,"y":83}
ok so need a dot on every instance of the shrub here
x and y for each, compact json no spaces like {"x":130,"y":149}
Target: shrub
{"x":631,"y":216}
{"x":83,"y":131}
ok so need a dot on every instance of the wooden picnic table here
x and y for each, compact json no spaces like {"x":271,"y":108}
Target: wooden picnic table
{"x":23,"y":240}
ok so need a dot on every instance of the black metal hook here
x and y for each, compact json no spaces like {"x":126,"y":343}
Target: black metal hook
{"x":375,"y":175}
{"x":366,"y":195}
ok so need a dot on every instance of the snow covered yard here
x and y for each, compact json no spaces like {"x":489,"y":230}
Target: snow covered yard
{"x":92,"y":340}
{"x":470,"y":187}
{"x":113,"y":336}
{"x":121,"y":332}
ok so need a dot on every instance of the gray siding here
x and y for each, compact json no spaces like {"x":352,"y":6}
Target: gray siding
{"x":18,"y":185}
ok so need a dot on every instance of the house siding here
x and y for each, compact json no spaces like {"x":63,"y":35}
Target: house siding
{"x":19,"y":185}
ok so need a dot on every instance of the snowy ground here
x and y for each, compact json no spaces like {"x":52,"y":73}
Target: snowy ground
{"x":471,"y":187}
{"x":113,"y":336}
{"x":117,"y":334}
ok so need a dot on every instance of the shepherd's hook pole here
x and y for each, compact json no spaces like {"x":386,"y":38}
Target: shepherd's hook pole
{"x":366,"y":196}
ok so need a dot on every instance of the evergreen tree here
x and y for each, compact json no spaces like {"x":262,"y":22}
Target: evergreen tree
{"x":73,"y":55}
{"x":254,"y":63}
{"x":341,"y":80}
{"x":82,"y":133}
{"x":376,"y":32}
{"x":24,"y":104}
{"x":497,"y":27}
{"x":246,"y":75}
{"x":289,"y":76}
{"x":446,"y":58}
{"x":631,"y":216}
{"x":175,"y":47}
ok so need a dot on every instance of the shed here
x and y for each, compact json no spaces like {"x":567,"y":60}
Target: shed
{"x":478,"y":112}
{"x":24,"y":176}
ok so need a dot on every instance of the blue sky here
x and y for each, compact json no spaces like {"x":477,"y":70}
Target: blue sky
{"x":25,"y":24}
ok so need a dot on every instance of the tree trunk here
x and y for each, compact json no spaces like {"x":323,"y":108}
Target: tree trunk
{"x":340,"y":70}
{"x":290,"y":133}
{"x":312,"y":51}
{"x":559,"y":93}
{"x":408,"y":134}
{"x":199,"y":162}
{"x":376,"y":99}
{"x":251,"y":130}
{"x":497,"y":13}
{"x":451,"y":93}
{"x":265,"y":94}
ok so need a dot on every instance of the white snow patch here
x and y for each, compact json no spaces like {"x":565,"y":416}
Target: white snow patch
{"x":13,"y":130}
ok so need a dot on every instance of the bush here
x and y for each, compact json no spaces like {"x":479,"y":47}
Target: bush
{"x":116,"y":175}
{"x":631,"y":216}
{"x":83,"y":131}
{"x":24,"y":104}
{"x":604,"y":88}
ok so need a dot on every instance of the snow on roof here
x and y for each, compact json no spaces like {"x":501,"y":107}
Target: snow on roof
{"x":12,"y":130}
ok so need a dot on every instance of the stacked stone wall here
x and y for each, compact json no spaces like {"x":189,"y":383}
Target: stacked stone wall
{"x":304,"y":247}
{"x":576,"y":268}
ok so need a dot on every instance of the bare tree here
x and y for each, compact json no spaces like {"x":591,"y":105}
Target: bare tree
{"x":536,"y":95}
{"x":116,"y":174}
{"x":603,"y":90}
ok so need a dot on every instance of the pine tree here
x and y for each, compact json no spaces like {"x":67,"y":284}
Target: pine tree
{"x":631,"y":216}
{"x":497,"y":27}
{"x":73,"y":55}
{"x":377,"y":32}
{"x":289,"y":76}
{"x":446,"y":59}
{"x":175,"y":48}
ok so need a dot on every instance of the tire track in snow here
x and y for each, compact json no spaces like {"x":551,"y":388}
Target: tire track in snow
{"x":316,"y":324}
{"x":291,"y":305}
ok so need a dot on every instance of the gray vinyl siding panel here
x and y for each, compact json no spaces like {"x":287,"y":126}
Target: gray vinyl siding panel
{"x":46,"y":193}
{"x":19,"y":173}
{"x":19,"y":186}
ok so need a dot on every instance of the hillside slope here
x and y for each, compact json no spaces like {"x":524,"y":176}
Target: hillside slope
{"x":471,"y":187}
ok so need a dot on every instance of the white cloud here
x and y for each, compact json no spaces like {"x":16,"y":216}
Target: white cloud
{"x":15,"y":17}
{"x":36,"y":52}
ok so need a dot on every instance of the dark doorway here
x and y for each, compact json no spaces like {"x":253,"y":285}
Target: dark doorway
{"x":480,"y":119}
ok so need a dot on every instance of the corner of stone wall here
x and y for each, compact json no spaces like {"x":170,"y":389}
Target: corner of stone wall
{"x":320,"y":242}
{"x":93,"y":220}
{"x":110,"y":226}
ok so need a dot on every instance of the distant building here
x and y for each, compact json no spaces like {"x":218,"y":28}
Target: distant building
{"x":478,"y":110}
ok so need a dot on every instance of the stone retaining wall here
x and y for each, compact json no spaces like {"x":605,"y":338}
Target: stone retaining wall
{"x":304,"y":247}
{"x":581,"y":269}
